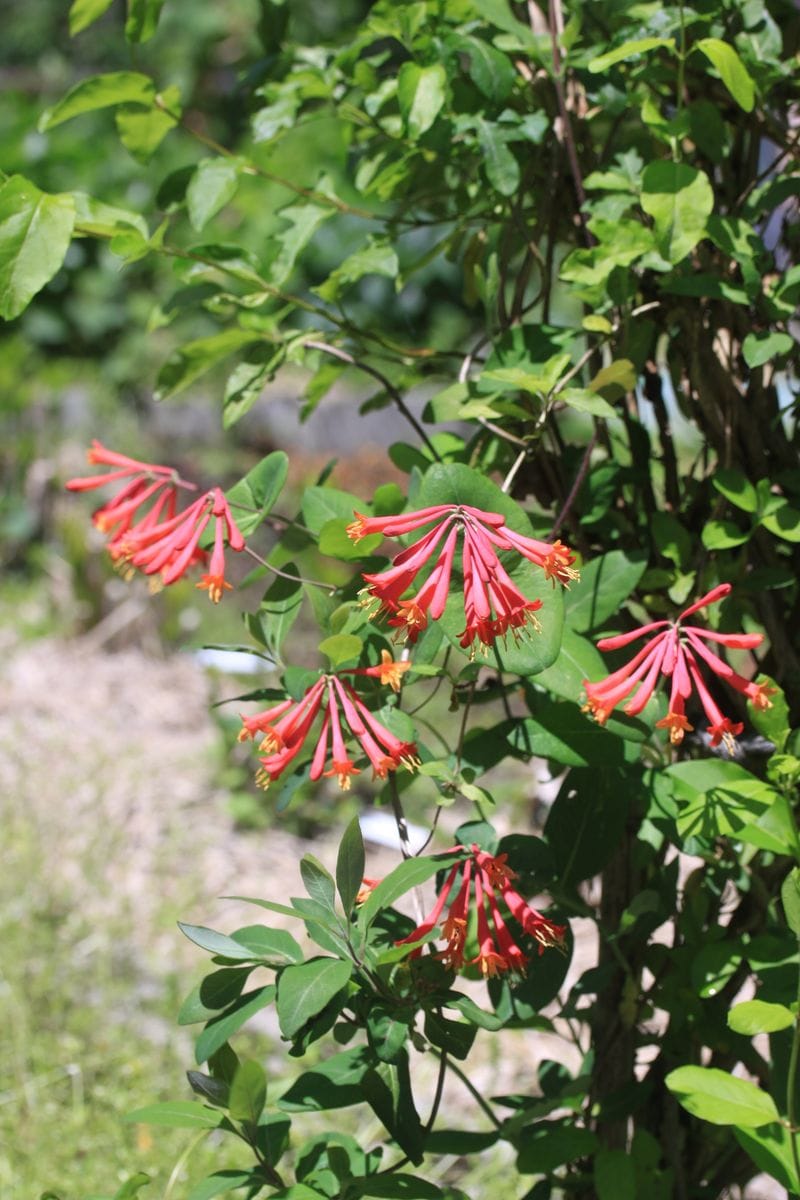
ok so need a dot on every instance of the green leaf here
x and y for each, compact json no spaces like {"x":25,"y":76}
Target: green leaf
{"x":560,"y":731}
{"x":318,"y":882}
{"x":628,"y":50}
{"x":586,"y":401}
{"x":499,"y":163}
{"x":387,"y":1090}
{"x":790,"y":898}
{"x":719,"y":798}
{"x":421,"y":93}
{"x":323,"y":504}
{"x":378,"y":257}
{"x":304,"y":990}
{"x":223,"y":1181}
{"x":721,"y":1098}
{"x":758,"y":349}
{"x":406,"y":875}
{"x":783,"y":521}
{"x":97,"y":219}
{"x":277,"y":612}
{"x":100,"y":91}
{"x":334,"y":541}
{"x":83,"y":13}
{"x":614,"y":1175}
{"x":131,"y":1187}
{"x":180,"y":1114}
{"x":193,"y":359}
{"x":142,"y":19}
{"x":304,"y":220}
{"x":587,"y":819}
{"x":403,"y":1187}
{"x":770,"y":1148}
{"x":679,"y":198}
{"x":275,"y":947}
{"x":617,"y":377}
{"x":604,"y":585}
{"x":350,"y":865}
{"x":736,"y":487}
{"x":772,"y":722}
{"x":722,"y":535}
{"x":341,"y":648}
{"x":490,"y":70}
{"x":550,"y":1144}
{"x":212,"y":185}
{"x":758,"y":1016}
{"x":215,"y":992}
{"x":334,"y":1083}
{"x":248,"y":1093}
{"x":218,"y":1030}
{"x":258,"y":491}
{"x":35,"y":232}
{"x":732,"y":70}
{"x":216,"y":943}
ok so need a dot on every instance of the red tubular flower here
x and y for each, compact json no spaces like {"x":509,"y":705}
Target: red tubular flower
{"x":493,"y":605}
{"x":676,"y":652}
{"x":286,"y":727}
{"x":484,"y":877}
{"x":146,"y":530}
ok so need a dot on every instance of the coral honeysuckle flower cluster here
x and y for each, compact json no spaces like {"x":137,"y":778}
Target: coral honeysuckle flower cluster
{"x":147,"y":531}
{"x":677,"y":652}
{"x":285,"y":728}
{"x":484,"y":879}
{"x":493,"y":604}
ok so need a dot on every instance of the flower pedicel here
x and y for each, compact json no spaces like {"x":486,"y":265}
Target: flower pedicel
{"x":677,"y":652}
{"x":493,"y":604}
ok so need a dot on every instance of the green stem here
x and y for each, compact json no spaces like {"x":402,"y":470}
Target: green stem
{"x":476,"y":1096}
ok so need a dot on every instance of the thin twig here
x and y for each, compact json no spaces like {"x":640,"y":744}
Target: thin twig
{"x":573,"y":491}
{"x":515,"y":466}
{"x":395,"y":394}
{"x":477,"y":1097}
{"x":556,"y":23}
{"x":330,"y":588}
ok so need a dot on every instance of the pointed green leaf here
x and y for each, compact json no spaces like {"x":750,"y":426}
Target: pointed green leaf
{"x":100,"y":91}
{"x":732,"y":70}
{"x":406,"y":875}
{"x":142,"y":19}
{"x":35,"y":232}
{"x":604,"y":585}
{"x":304,"y":990}
{"x":212,"y":185}
{"x":628,"y":50}
{"x":218,"y":1030}
{"x":420,"y":93}
{"x":83,"y":13}
{"x":499,"y":163}
{"x":180,"y":1114}
{"x":350,"y":865}
{"x":193,"y":359}
{"x":255,"y":495}
{"x":224,"y":1181}
{"x":248,"y":1093}
{"x":318,"y":882}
